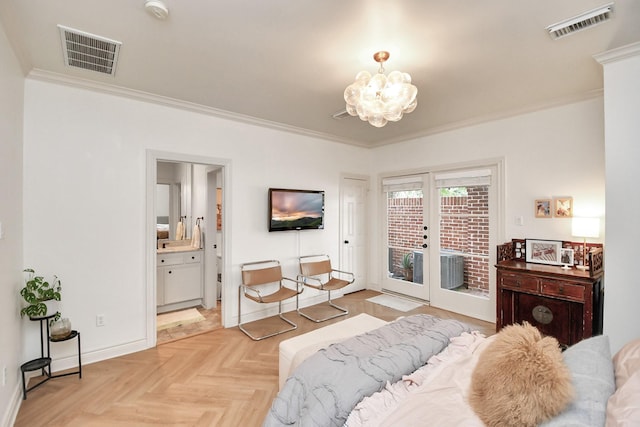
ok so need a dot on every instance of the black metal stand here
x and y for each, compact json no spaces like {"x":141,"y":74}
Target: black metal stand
{"x":44,"y":361}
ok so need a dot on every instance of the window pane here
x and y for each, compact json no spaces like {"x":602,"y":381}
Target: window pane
{"x":404,"y":238}
{"x":464,"y":239}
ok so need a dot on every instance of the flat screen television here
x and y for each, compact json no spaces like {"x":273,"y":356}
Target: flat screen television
{"x":295,"y":209}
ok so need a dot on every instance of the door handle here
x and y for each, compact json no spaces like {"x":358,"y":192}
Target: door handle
{"x":346,"y":242}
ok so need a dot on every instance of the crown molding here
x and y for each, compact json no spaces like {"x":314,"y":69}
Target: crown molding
{"x":37,"y":74}
{"x":500,"y":115}
{"x":618,"y":53}
{"x":47,"y":76}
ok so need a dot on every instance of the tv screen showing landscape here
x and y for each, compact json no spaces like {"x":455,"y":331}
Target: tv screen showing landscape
{"x":295,"y":209}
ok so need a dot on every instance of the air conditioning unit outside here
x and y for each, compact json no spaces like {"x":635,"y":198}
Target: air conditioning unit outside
{"x":451,"y":270}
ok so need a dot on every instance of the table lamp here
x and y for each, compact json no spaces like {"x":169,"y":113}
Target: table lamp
{"x":585,"y":227}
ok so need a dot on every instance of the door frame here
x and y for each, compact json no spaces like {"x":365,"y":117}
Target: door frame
{"x":477,"y":307}
{"x":152,"y":157}
{"x":419,"y":291}
{"x":499,"y":229}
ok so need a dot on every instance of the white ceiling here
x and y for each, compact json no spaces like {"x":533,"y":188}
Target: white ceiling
{"x":286,"y":63}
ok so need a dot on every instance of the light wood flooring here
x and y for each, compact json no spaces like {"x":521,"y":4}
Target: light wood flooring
{"x":212,"y":320}
{"x":219,"y":378}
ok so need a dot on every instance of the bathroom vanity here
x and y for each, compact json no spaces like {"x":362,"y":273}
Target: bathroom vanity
{"x":179,"y":278}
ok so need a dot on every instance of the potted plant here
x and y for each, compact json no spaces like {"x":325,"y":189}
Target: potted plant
{"x":40,"y":295}
{"x":407,"y":266}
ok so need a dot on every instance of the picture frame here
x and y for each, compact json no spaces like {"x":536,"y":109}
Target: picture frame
{"x":543,"y":208}
{"x":543,"y":251}
{"x":567,"y":257}
{"x":563,"y":207}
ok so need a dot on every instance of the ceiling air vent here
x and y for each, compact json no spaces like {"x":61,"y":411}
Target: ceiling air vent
{"x":88,"y":51}
{"x":581,"y":22}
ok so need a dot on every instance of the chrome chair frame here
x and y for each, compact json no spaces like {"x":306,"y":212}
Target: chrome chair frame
{"x":263,"y":276}
{"x":336,"y":279}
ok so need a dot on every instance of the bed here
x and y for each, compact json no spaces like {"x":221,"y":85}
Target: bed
{"x":421,"y":370}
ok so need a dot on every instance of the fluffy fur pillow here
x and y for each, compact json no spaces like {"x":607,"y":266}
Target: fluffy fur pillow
{"x":520,"y":379}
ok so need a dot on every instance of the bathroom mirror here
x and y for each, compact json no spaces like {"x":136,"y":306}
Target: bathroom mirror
{"x":167,"y":210}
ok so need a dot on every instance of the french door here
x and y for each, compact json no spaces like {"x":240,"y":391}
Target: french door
{"x":439,"y":231}
{"x":407,"y":235}
{"x":465,"y":211}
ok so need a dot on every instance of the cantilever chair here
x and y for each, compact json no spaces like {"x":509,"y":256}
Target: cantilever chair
{"x":316,"y":272}
{"x":259,"y":279}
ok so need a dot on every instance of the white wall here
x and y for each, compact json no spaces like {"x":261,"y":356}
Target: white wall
{"x":84,"y":199}
{"x":554,"y":152}
{"x":11,"y":279}
{"x":622,"y":104}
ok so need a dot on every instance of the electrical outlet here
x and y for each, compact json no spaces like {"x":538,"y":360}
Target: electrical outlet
{"x":100,"y":320}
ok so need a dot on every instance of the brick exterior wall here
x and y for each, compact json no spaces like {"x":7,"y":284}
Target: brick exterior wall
{"x":405,"y":230}
{"x":464,"y":229}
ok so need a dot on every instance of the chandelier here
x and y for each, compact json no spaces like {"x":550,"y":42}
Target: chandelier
{"x":381,"y":99}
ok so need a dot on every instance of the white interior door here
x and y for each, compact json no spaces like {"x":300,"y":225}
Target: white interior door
{"x":406,"y":235}
{"x":353,"y":200}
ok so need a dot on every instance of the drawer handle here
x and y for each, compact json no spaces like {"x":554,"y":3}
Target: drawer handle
{"x":169,"y":271}
{"x":518,"y":283}
{"x":542,"y":314}
{"x":561,"y":289}
{"x":193,"y":257}
{"x":161,"y":260}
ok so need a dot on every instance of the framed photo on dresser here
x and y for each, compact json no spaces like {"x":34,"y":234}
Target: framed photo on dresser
{"x":544,"y":251}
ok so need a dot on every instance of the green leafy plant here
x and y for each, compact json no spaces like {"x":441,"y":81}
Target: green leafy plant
{"x":407,"y":261}
{"x":37,"y":290}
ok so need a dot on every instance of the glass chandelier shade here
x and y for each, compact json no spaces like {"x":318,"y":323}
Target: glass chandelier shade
{"x":380,"y":99}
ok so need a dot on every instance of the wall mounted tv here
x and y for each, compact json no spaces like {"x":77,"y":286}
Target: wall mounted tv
{"x":295,"y":209}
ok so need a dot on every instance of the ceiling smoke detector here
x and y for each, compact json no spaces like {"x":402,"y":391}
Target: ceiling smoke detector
{"x":157,"y":9}
{"x":581,"y":22}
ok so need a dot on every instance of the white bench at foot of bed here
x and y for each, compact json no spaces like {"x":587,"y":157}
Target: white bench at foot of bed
{"x":294,"y":350}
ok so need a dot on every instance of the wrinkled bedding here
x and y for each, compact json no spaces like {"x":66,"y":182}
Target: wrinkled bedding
{"x":326,"y":387}
{"x":437,"y":390}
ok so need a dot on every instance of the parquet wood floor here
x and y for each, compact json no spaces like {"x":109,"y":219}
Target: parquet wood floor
{"x":219,"y":378}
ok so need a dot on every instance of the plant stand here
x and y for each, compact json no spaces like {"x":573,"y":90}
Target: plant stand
{"x":44,"y":361}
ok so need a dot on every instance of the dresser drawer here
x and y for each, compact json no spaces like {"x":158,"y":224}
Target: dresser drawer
{"x":191,"y":257}
{"x":519,"y":282}
{"x":169,"y":259}
{"x":564,"y":290}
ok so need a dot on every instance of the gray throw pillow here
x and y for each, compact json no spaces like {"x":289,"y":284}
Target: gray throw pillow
{"x":593,"y":380}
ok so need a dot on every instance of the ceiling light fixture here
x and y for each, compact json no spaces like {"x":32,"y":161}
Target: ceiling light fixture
{"x":381,"y":99}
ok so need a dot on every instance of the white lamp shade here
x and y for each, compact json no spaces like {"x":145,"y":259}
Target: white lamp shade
{"x":585,"y":227}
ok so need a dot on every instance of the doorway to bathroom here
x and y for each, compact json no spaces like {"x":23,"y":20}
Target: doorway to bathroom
{"x":186,"y":251}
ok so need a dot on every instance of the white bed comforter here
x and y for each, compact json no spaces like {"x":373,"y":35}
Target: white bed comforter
{"x":435,"y":394}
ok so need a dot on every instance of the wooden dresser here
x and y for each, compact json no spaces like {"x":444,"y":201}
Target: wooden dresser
{"x":564,"y":303}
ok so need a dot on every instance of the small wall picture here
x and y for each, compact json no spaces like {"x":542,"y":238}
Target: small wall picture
{"x":563,"y":207}
{"x":543,"y":208}
{"x":566,"y":256}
